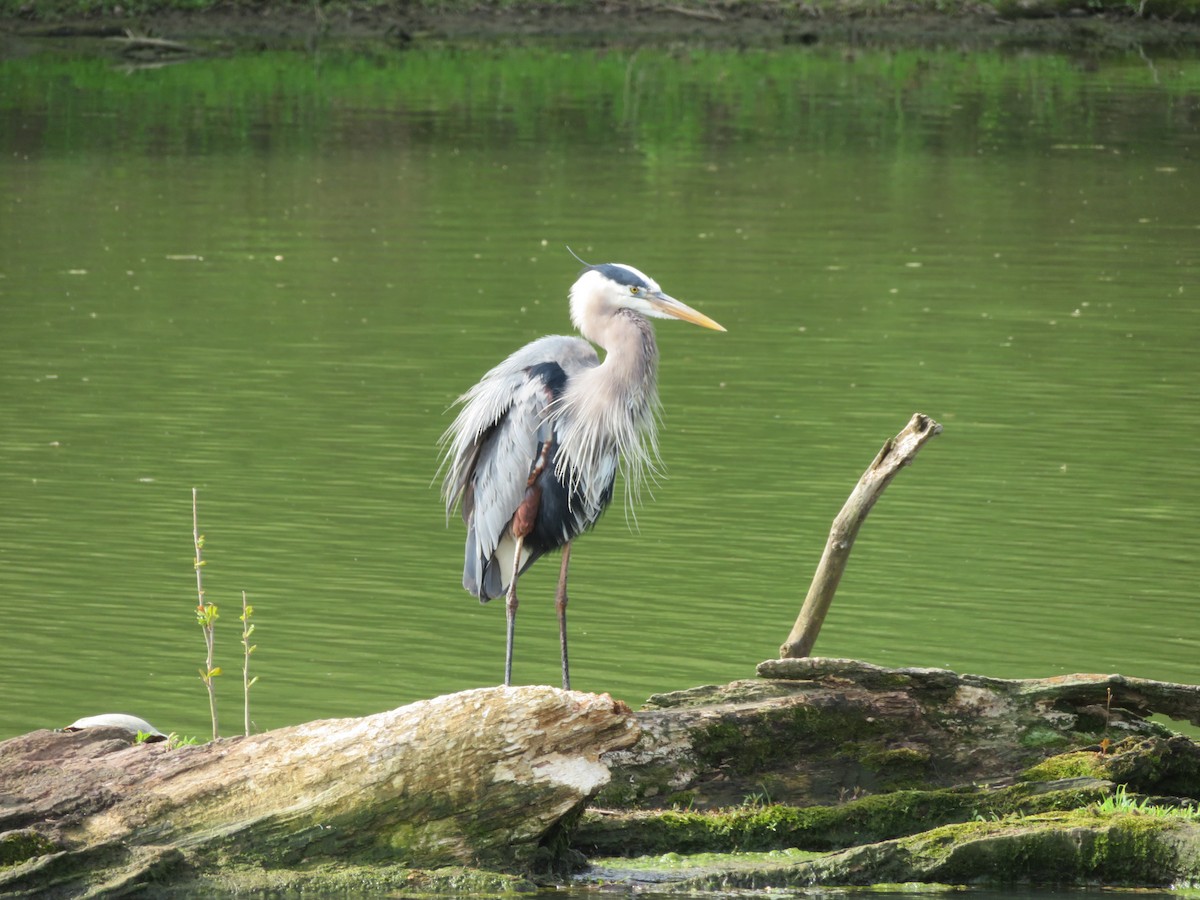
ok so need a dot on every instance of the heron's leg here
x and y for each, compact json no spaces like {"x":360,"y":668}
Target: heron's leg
{"x":560,"y":604}
{"x":510,"y":611}
{"x":522,"y":524}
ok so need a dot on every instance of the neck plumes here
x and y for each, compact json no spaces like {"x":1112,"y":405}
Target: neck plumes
{"x":610,"y":412}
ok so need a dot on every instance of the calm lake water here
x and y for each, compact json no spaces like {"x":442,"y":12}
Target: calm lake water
{"x":269,"y":276}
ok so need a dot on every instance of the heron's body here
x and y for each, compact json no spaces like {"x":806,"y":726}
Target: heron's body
{"x":534,"y":452}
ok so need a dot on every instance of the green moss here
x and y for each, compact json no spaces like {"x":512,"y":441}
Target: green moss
{"x":623,"y":793}
{"x":1070,"y":848}
{"x":459,"y":881}
{"x":1079,"y":764}
{"x":1040,"y":738}
{"x":898,"y":768}
{"x":1154,"y":765}
{"x":859,"y":747}
{"x":346,"y":880}
{"x":724,"y":741}
{"x":774,"y":827}
{"x":18,"y":846}
{"x":1062,"y":849}
{"x":775,"y":737}
{"x":678,"y":862}
{"x":1157,"y":765}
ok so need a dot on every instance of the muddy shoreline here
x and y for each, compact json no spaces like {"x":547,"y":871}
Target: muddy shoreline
{"x":602,"y":23}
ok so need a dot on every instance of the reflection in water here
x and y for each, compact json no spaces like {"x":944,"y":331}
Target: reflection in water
{"x":268,"y":278}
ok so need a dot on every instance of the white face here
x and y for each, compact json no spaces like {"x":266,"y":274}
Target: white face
{"x":637,"y":275}
{"x":633,"y":289}
{"x":621,"y":286}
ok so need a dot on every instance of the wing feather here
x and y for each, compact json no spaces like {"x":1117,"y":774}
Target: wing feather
{"x":490,"y":448}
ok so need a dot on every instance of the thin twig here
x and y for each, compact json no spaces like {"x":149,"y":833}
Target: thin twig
{"x":896,"y":453}
{"x":206,"y":616}
{"x":247,"y":649}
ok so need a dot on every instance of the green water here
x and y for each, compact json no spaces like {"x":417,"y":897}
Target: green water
{"x":268,"y":277}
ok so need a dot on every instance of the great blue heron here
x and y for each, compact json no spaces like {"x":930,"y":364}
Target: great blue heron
{"x":534,"y":451}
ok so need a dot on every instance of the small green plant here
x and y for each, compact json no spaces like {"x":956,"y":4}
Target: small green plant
{"x":247,"y":649}
{"x":1119,"y":802}
{"x":206,"y":618}
{"x":172,"y":740}
{"x":758,"y":799}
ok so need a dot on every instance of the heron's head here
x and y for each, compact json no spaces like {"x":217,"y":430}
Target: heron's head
{"x":602,"y":290}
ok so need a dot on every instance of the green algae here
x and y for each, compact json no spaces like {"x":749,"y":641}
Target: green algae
{"x":867,"y":820}
{"x":1063,"y":848}
{"x":680,"y":862}
{"x":348,"y":880}
{"x":1060,"y":849}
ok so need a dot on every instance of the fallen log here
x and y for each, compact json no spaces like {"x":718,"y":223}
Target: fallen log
{"x":478,"y":778}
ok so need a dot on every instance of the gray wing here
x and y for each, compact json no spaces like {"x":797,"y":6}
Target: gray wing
{"x":491,"y":447}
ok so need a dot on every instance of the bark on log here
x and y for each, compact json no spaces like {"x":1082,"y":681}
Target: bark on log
{"x":475,"y":778}
{"x":897,"y":453}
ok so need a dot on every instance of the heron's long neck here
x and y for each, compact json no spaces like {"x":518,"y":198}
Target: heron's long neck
{"x":613,"y":407}
{"x":629,"y":372}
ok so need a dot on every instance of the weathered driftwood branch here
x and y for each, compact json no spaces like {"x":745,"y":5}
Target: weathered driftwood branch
{"x":896,"y":453}
{"x":710,"y":15}
{"x":474,"y":778}
{"x":138,"y":44}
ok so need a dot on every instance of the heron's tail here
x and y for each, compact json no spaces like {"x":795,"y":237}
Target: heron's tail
{"x":488,"y":577}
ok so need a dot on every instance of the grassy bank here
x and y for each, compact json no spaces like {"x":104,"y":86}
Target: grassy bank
{"x":1058,"y":22}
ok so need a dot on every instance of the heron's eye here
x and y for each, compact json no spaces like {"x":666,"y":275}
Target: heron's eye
{"x":633,"y":289}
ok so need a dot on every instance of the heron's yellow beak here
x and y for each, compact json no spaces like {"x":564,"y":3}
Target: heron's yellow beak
{"x":669,"y":306}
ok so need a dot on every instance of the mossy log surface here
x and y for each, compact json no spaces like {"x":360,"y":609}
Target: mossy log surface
{"x":757,"y":828}
{"x":903,"y":775}
{"x":818,"y":731}
{"x":1061,"y":850}
{"x":479,"y":778}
